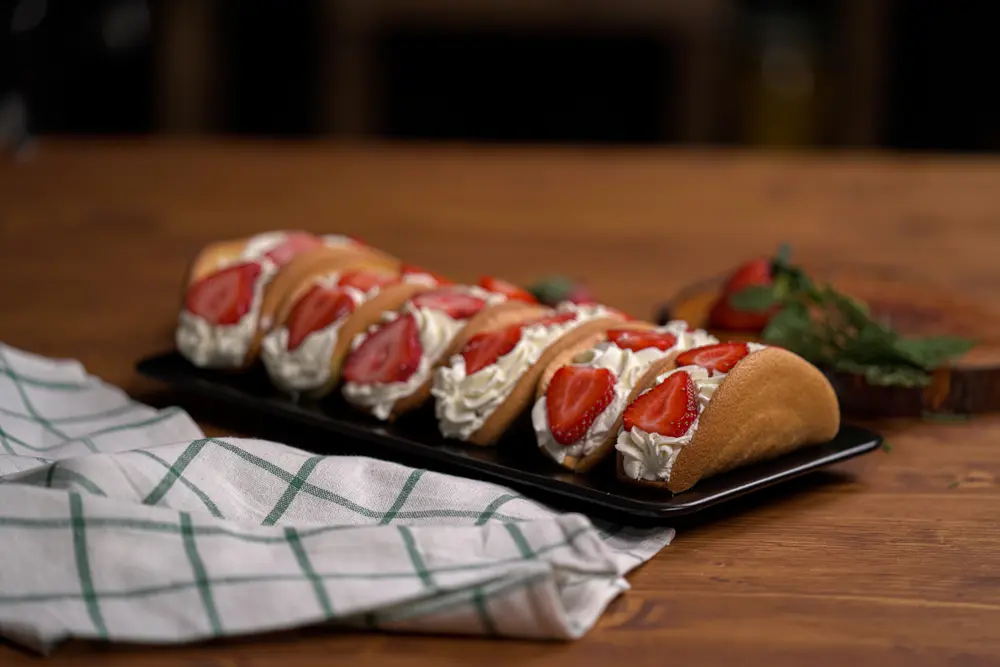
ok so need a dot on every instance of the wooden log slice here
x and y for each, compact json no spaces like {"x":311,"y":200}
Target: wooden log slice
{"x":969,"y":385}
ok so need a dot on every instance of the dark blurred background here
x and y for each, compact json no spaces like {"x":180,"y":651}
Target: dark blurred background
{"x":905,"y":75}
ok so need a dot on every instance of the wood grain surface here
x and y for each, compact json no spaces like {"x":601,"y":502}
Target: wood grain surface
{"x":893,"y":558}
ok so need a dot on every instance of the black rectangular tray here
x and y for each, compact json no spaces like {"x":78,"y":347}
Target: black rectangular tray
{"x":514,"y":462}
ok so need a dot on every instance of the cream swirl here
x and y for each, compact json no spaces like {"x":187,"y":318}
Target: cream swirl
{"x":651,"y":456}
{"x":465,"y":402}
{"x":307,"y":367}
{"x":260,"y":244}
{"x":436,"y":330}
{"x":627,"y":366}
{"x":208,"y":345}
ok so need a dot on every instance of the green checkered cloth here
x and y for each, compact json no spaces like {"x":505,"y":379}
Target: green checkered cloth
{"x":123,"y":523}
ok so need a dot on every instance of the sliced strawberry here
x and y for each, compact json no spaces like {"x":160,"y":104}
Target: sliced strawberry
{"x":454,"y":303}
{"x":412,"y":270}
{"x":640,"y":339}
{"x":510,"y":290}
{"x":574,"y":399}
{"x":720,"y":357}
{"x":390,"y":354}
{"x":294,"y":243}
{"x":365,"y":280}
{"x":669,"y":408}
{"x":320,"y":307}
{"x":485,"y":348}
{"x":225,"y":296}
{"x":552,"y":320}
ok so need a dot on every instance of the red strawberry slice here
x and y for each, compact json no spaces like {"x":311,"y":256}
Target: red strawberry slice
{"x":552,"y":320}
{"x":639,"y":339}
{"x":485,"y":348}
{"x":294,"y":243}
{"x":510,"y":290}
{"x":574,"y":399}
{"x":720,"y":357}
{"x":390,"y":354}
{"x":320,"y":307}
{"x":413,"y":270}
{"x":669,"y":408}
{"x":365,"y":280}
{"x":456,"y":304}
{"x":224,"y":297}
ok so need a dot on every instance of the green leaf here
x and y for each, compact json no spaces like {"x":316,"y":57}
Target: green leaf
{"x":954,"y":485}
{"x":781,"y":259}
{"x":886,"y":446}
{"x":931,"y":352}
{"x":552,"y":289}
{"x":792,"y":329}
{"x":882,"y":375}
{"x":755,"y":298}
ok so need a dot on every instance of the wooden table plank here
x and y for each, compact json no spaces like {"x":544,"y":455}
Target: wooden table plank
{"x":889,"y":559}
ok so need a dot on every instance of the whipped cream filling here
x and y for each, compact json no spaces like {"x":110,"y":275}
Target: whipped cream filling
{"x":651,"y":456}
{"x":338,"y":240}
{"x":436,"y":330}
{"x":208,"y":345}
{"x":307,"y":367}
{"x":628,"y":367}
{"x":424,"y":279}
{"x":464,"y":402}
{"x":260,"y":244}
{"x":686,"y":340}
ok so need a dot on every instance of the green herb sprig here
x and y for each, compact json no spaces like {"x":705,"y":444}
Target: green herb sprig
{"x":835,"y":331}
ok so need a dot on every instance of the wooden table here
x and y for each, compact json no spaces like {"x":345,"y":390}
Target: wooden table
{"x":895,"y":559}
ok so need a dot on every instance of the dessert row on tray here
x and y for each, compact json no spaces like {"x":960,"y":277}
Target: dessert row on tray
{"x":328,"y":313}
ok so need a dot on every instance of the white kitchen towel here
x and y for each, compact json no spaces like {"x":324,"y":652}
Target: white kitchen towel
{"x":123,"y":523}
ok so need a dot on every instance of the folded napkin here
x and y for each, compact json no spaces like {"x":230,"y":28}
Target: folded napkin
{"x":124,"y":523}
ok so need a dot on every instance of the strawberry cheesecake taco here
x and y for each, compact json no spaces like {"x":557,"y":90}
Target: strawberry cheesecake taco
{"x":389,"y":370}
{"x":235,"y":287}
{"x":319,"y":318}
{"x":582,"y":393}
{"x":490,"y":382}
{"x":719,"y":407}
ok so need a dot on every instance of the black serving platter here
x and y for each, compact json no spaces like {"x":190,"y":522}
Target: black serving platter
{"x":514,"y":462}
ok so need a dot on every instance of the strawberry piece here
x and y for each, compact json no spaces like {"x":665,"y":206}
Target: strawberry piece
{"x":722,"y":315}
{"x":365,"y":280}
{"x":293,"y":244}
{"x":413,"y":270}
{"x":457,"y":305}
{"x":639,"y":339}
{"x":485,"y":348}
{"x":581,"y":295}
{"x":720,"y":357}
{"x":552,"y":320}
{"x":320,"y":307}
{"x":225,"y":296}
{"x":669,"y":408}
{"x":510,"y":290}
{"x":390,"y":354}
{"x":754,"y":272}
{"x":574,"y":399}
